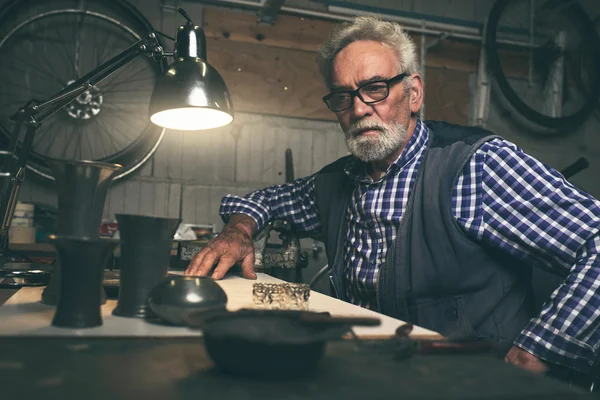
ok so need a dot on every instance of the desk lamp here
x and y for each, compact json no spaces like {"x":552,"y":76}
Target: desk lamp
{"x":191,"y":95}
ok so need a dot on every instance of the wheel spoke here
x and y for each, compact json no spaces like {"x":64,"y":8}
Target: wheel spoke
{"x":45,"y":52}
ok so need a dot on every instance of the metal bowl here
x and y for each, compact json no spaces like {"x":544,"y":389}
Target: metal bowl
{"x":178,"y":296}
{"x":266,"y":344}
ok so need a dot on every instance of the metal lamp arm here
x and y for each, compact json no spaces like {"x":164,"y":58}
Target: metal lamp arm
{"x":148,"y":45}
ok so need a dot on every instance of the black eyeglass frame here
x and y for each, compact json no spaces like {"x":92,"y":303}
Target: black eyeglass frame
{"x":356,"y":92}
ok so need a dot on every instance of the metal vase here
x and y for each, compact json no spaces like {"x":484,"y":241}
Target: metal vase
{"x":81,"y":187}
{"x":82,"y":263}
{"x":51,"y":292}
{"x":145,"y":253}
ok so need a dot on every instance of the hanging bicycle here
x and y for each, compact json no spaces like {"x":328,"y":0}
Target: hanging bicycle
{"x":45,"y":45}
{"x":545,"y":57}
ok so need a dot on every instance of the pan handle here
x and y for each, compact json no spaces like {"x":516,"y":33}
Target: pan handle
{"x":315,"y":318}
{"x":579,"y":165}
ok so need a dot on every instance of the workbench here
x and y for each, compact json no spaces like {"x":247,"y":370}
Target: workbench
{"x":131,"y":358}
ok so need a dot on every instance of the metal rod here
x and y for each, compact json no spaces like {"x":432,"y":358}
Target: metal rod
{"x":411,"y":25}
{"x":96,"y":76}
{"x":66,"y":96}
{"x":554,"y":84}
{"x":531,"y":41}
{"x":482,"y":88}
{"x":441,"y":26}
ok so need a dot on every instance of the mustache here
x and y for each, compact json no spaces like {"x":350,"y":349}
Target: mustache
{"x":357,"y":128}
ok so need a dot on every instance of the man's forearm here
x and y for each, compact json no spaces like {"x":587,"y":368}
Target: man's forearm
{"x":567,"y":331}
{"x":243,"y":222}
{"x":293,"y":202}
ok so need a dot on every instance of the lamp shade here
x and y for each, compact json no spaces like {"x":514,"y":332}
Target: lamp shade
{"x":191,"y":95}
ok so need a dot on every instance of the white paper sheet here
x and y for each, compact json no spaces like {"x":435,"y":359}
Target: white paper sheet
{"x":24,"y":314}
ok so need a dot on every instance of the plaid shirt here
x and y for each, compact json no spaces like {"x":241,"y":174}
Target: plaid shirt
{"x":504,"y":198}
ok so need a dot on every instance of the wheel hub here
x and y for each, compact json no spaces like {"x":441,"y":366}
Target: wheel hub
{"x":86,"y":105}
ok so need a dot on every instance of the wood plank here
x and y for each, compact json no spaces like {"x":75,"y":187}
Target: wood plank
{"x":192,"y":147}
{"x":160,"y":159}
{"x":204,"y":210}
{"x":289,"y":31}
{"x":147,"y":200}
{"x":301,"y":33}
{"x":223,"y":148}
{"x":257,"y":76}
{"x":132,"y":197}
{"x":271,"y":155}
{"x":250,"y":163}
{"x":175,"y":155}
{"x":300,"y":142}
{"x":147,"y":168}
{"x":271,"y":69}
{"x":188,"y":205}
{"x":447,"y":96}
{"x":115,"y":202}
{"x":270,"y":80}
{"x":215,"y":156}
{"x":161,"y":198}
{"x":173,"y":204}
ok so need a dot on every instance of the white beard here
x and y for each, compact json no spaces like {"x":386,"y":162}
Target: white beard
{"x":375,"y":147}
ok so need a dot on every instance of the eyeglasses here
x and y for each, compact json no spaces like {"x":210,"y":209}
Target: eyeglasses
{"x":369,"y":93}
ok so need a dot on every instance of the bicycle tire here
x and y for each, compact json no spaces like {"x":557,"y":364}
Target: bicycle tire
{"x":582,"y":60}
{"x":136,"y":153}
{"x":560,"y":124}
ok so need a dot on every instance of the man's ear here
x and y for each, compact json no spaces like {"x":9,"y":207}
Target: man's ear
{"x":416,"y":94}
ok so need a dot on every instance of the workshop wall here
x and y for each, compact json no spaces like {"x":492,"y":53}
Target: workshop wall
{"x":271,"y":73}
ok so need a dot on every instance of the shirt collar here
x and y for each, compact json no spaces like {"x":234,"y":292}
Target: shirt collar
{"x":357,"y":169}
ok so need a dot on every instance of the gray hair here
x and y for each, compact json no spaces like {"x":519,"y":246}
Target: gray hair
{"x":368,"y":28}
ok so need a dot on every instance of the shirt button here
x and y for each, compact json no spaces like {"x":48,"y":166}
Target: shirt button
{"x":371,"y":224}
{"x":373,"y":262}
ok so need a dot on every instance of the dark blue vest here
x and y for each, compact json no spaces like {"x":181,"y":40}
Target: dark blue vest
{"x":434,"y":275}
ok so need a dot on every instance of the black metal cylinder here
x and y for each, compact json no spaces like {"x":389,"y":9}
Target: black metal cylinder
{"x":81,"y":187}
{"x":51,"y":292}
{"x":145,"y":251}
{"x":82,"y":261}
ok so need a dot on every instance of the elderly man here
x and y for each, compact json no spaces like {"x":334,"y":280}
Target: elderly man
{"x":430,"y":222}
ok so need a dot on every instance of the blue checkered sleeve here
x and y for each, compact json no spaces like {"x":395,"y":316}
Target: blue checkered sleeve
{"x":516,"y":203}
{"x":293,"y":202}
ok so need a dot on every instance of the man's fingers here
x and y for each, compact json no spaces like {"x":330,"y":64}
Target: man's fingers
{"x":207,"y":263}
{"x":194,"y":264}
{"x":522,"y":359}
{"x":248,"y":266}
{"x":224,"y":264}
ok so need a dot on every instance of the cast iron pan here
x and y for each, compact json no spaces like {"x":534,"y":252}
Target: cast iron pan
{"x":270,"y":343}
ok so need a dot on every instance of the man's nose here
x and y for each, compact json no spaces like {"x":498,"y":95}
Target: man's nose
{"x":360,"y":108}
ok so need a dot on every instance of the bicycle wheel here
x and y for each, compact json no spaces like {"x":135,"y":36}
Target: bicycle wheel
{"x":547,"y":36}
{"x":584,"y":61}
{"x":46,"y":45}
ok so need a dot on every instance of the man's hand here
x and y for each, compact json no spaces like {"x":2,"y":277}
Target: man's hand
{"x":234,"y":244}
{"x":522,"y":359}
